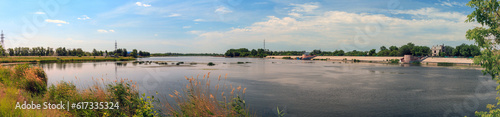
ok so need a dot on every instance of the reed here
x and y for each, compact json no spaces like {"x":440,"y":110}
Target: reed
{"x":200,"y":98}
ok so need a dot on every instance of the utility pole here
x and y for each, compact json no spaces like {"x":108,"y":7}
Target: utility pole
{"x":2,"y":37}
{"x":264,"y":45}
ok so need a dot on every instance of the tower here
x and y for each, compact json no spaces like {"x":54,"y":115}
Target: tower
{"x":1,"y":37}
{"x":264,"y":44}
{"x":116,"y":45}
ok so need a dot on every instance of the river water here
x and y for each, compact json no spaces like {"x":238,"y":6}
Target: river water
{"x":308,"y":88}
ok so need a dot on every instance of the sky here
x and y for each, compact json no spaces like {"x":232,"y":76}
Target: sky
{"x":214,"y":26}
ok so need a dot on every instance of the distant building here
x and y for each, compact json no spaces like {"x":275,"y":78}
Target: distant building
{"x":437,"y":49}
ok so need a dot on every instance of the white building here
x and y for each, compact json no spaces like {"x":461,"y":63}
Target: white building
{"x":437,"y":49}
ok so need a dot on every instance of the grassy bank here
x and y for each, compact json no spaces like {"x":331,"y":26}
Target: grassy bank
{"x":27,"y":83}
{"x":46,"y":59}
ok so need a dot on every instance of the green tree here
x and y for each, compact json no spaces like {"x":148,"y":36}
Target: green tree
{"x":420,"y":51}
{"x":384,"y":53}
{"x":442,"y":54}
{"x":2,"y":51}
{"x":406,"y":49}
{"x":448,"y":50}
{"x":124,"y":53}
{"x":372,"y":52}
{"x":383,"y":48}
{"x":392,"y":48}
{"x":338,"y":52}
{"x":486,"y":37}
{"x":134,"y":53}
{"x":394,"y":53}
{"x":316,"y":52}
{"x":11,"y":52}
{"x":253,"y":52}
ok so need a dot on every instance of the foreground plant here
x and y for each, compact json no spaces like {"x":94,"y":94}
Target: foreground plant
{"x":198,"y":99}
{"x":487,"y":38}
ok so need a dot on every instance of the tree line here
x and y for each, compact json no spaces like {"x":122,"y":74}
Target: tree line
{"x":186,"y":54}
{"x":63,"y":51}
{"x":463,"y":50}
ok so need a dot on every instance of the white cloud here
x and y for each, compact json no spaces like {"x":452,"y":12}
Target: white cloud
{"x":56,"y":21}
{"x":142,"y":4}
{"x":196,"y":32}
{"x":222,"y":10}
{"x":433,"y":13}
{"x":299,"y":9}
{"x":186,"y":27}
{"x":59,"y":24}
{"x":156,"y":35}
{"x":308,"y":7}
{"x":174,"y":15}
{"x":199,"y":20}
{"x":102,"y":31}
{"x":84,"y":17}
{"x":450,"y":4}
{"x":105,"y":31}
{"x":294,"y":14}
{"x":39,"y":12}
{"x":332,"y":30}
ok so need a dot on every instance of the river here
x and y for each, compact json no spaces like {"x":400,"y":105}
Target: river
{"x":308,"y":88}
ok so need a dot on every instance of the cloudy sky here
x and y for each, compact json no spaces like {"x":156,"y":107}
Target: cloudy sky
{"x":213,"y":26}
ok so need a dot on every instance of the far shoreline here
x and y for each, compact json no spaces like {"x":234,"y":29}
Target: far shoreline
{"x":427,"y":61}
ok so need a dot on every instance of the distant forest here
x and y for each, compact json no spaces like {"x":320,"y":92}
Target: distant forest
{"x":63,"y":51}
{"x":186,"y":54}
{"x":462,"y":50}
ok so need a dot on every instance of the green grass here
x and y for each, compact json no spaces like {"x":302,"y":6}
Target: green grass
{"x":27,"y":83}
{"x":445,"y":64}
{"x":393,"y":61}
{"x":200,"y":99}
{"x":21,"y":83}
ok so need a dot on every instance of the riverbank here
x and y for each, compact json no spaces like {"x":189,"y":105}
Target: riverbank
{"x":429,"y":60}
{"x":48,"y":59}
{"x":25,"y":91}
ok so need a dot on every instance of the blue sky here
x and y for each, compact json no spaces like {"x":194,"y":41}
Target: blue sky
{"x":213,"y":26}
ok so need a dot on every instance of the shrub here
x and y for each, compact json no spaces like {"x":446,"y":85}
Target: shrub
{"x":355,"y":60}
{"x":394,"y":61}
{"x":62,"y":91}
{"x":20,"y":69}
{"x":416,"y":63}
{"x":445,"y":64}
{"x":199,"y":98}
{"x":146,"y":107}
{"x":210,"y":64}
{"x":35,"y":81}
{"x":123,"y":93}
